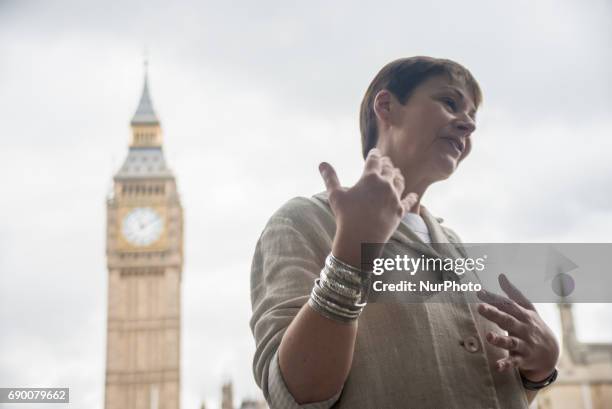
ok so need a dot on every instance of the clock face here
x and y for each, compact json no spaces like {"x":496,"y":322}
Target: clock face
{"x":142,"y":226}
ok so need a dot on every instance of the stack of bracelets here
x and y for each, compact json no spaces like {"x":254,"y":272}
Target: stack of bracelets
{"x":341,"y":291}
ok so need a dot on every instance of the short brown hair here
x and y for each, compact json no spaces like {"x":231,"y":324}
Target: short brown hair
{"x":401,"y":77}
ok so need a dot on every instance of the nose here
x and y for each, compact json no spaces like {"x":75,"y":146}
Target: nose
{"x":465,"y":124}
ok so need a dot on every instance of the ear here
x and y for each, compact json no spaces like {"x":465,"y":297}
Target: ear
{"x":383,"y":102}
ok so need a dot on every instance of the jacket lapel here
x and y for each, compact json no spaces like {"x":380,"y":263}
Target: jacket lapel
{"x":439,"y":246}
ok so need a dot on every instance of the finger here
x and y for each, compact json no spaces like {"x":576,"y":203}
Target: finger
{"x":386,"y":166}
{"x":502,"y":319}
{"x":387,"y":171}
{"x":398,"y":181}
{"x":503,"y":304}
{"x":373,"y":161}
{"x":329,"y":177}
{"x":514,"y":293}
{"x":410,"y":201}
{"x":509,"y":343}
{"x":386,"y":161}
{"x":508,"y":363}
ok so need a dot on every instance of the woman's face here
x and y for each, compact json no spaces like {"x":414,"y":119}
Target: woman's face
{"x":429,"y":135}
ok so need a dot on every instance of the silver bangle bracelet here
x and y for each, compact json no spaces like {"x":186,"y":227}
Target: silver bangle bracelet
{"x":340,"y":292}
{"x":349,"y":304}
{"x":344,"y":276}
{"x":355,"y":274}
{"x":327,"y":314}
{"x":335,"y":304}
{"x":344,"y":272}
{"x":331,"y":310}
{"x":339,"y":287}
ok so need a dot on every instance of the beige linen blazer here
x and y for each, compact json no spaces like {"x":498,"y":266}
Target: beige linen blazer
{"x":429,"y":355}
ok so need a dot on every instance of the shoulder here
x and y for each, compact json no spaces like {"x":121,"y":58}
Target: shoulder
{"x":300,"y":225}
{"x":306,"y":214}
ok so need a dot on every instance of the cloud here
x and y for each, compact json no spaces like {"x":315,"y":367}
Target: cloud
{"x":252,"y":96}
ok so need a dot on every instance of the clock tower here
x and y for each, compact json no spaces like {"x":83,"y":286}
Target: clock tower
{"x":144,"y":249}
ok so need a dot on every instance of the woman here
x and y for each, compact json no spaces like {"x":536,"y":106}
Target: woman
{"x":318,"y":344}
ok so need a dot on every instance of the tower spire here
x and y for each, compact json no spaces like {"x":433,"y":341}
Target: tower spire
{"x":145,"y":63}
{"x":145,"y":114}
{"x":571,"y":344}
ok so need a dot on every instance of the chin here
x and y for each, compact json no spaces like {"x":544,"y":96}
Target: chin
{"x":444,"y":169}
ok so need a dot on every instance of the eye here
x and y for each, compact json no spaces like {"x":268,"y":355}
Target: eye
{"x":450,"y":103}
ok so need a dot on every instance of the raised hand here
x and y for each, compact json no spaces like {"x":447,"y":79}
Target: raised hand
{"x":371,"y":210}
{"x":531,"y":344}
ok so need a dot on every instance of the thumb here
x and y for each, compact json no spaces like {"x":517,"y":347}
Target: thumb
{"x":409,"y":201}
{"x":329,"y":176}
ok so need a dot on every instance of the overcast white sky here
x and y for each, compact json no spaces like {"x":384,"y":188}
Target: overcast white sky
{"x":252,"y":96}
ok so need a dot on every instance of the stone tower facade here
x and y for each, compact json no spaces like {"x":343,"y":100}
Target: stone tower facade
{"x":227,"y":396}
{"x":145,"y":259}
{"x":585,"y":372}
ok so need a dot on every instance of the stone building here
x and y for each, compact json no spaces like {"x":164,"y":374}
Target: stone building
{"x":253,"y":404}
{"x":227,"y":400}
{"x":227,"y":396}
{"x":585,"y":372}
{"x":144,"y":249}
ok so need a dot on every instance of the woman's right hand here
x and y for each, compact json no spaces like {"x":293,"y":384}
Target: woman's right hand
{"x":371,"y":210}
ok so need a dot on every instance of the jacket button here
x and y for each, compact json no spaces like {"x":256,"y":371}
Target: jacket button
{"x":471,"y":344}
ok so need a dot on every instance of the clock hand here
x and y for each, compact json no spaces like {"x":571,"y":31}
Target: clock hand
{"x":153,"y":223}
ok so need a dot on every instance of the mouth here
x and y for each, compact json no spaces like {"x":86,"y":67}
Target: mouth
{"x":457,"y":144}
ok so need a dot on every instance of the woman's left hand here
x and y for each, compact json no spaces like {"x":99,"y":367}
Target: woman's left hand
{"x":532,"y":346}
